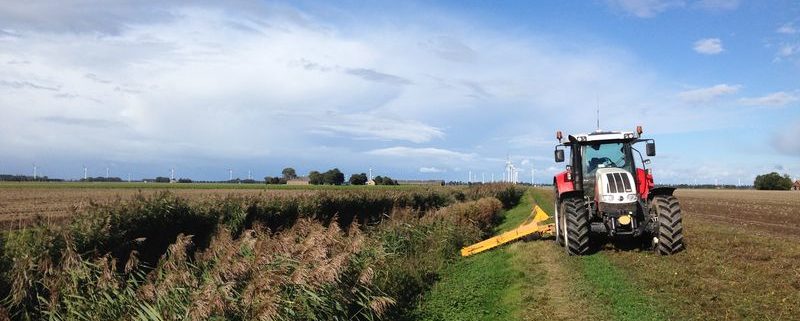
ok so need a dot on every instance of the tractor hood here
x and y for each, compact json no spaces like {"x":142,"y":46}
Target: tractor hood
{"x":615,"y":186}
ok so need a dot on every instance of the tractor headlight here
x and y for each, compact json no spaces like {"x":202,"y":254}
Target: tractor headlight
{"x":608,"y":198}
{"x":631,"y":197}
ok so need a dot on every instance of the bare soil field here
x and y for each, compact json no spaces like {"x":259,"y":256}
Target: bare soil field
{"x":774,"y":211}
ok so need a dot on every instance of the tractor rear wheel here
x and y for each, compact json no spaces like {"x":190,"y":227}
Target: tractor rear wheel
{"x":668,"y":235}
{"x":576,"y":226}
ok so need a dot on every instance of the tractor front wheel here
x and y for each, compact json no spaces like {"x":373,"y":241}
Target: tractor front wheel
{"x":668,"y":234}
{"x":575,"y":225}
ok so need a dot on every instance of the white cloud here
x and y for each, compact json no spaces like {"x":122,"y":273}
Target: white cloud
{"x":708,"y":46}
{"x":645,"y":8}
{"x":431,"y":170}
{"x":787,"y":29}
{"x":785,"y":140}
{"x":717,"y":5}
{"x":780,"y":98}
{"x":373,"y":127}
{"x":708,"y":93}
{"x":788,"y":50}
{"x":421,"y":153}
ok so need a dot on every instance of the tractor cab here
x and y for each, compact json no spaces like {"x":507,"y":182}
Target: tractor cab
{"x":609,"y":190}
{"x":611,"y":154}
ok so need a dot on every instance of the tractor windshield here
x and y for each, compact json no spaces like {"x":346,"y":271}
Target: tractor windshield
{"x":603,"y":156}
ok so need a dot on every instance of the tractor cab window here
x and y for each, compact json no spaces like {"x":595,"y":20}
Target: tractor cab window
{"x":604,"y":156}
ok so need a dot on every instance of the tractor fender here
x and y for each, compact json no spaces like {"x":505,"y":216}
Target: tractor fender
{"x":660,"y":191}
{"x":568,"y":194}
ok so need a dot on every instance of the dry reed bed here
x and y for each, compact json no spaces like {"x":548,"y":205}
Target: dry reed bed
{"x":281,"y":257}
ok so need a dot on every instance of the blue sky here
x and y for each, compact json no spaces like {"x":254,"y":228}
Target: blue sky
{"x":412,"y":89}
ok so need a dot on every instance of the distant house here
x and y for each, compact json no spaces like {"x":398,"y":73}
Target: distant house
{"x":796,"y":185}
{"x":370,"y":182}
{"x":298,"y":181}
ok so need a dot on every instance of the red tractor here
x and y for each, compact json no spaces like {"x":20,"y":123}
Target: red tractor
{"x":605,"y":190}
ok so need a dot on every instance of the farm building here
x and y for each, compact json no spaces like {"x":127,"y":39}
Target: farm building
{"x":298,"y":181}
{"x":796,"y":185}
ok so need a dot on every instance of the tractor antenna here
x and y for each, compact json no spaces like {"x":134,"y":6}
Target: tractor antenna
{"x":598,"y":112}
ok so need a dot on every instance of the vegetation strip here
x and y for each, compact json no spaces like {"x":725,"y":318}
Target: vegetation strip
{"x":611,"y":287}
{"x":481,"y":287}
{"x":293,"y":257}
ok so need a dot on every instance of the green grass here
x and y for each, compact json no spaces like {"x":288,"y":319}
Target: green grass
{"x":475,"y":288}
{"x":480,"y":287}
{"x":515,"y":216}
{"x":612,"y":288}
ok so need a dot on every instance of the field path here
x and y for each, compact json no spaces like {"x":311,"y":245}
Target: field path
{"x":521,"y":281}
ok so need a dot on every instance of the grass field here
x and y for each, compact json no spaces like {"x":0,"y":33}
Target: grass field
{"x":742,"y":260}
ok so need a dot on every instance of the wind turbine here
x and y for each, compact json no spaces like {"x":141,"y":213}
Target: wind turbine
{"x":532,"y":177}
{"x":34,"y":171}
{"x":85,"y":172}
{"x":230,"y":174}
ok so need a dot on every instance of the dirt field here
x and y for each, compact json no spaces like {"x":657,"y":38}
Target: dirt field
{"x":774,"y":211}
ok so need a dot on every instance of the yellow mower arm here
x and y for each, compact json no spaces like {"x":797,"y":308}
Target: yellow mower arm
{"x":529,"y":227}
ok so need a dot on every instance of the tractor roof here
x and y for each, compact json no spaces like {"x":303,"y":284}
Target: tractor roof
{"x":602,"y":136}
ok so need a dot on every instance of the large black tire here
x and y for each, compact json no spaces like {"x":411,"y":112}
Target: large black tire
{"x":576,"y":226}
{"x":668,"y":235}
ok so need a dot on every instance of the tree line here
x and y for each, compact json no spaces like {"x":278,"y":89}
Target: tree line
{"x":773,"y":181}
{"x":330,"y":177}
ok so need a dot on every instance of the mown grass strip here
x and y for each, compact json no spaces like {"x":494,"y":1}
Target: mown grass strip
{"x":480,"y":287}
{"x":515,"y":216}
{"x":472,"y":289}
{"x":611,"y":287}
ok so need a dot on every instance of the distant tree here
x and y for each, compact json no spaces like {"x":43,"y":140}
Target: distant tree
{"x":274,"y":180}
{"x":248,"y":181}
{"x":773,"y":181}
{"x":315,"y":178}
{"x":333,"y":177}
{"x":289,"y":173}
{"x":358,"y":179}
{"x":384,"y":180}
{"x":184,"y":180}
{"x":161,"y":179}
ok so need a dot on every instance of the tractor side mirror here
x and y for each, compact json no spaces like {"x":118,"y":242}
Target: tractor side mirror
{"x":651,"y":149}
{"x":559,"y":155}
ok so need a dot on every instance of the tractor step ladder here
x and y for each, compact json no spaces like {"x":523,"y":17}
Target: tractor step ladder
{"x":529,"y":227}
